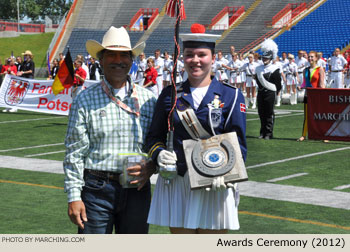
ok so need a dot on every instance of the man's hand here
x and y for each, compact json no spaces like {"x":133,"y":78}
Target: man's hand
{"x":77,"y":213}
{"x":142,"y":172}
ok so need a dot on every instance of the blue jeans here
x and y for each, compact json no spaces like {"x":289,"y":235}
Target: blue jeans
{"x":110,"y":206}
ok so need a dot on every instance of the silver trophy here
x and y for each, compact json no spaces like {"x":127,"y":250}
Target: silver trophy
{"x":219,"y":155}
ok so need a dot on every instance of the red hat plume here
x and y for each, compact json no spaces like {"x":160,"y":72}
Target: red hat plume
{"x":197,"y":28}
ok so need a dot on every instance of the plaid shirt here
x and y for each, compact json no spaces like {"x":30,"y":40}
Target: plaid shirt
{"x":100,"y":132}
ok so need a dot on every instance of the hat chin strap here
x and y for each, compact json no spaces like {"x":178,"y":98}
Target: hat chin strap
{"x":266,"y":61}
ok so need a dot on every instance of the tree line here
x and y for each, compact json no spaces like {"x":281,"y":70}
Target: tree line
{"x":36,"y":10}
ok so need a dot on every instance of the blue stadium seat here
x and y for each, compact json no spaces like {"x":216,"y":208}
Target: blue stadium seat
{"x":323,"y":30}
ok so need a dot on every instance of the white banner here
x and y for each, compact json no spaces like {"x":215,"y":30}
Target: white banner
{"x":35,"y":95}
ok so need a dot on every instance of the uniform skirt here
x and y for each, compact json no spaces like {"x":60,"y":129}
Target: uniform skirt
{"x":251,"y":82}
{"x":235,"y":78}
{"x":291,"y":80}
{"x":176,"y":205}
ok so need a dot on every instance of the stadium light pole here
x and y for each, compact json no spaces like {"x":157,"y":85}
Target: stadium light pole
{"x":18,"y":16}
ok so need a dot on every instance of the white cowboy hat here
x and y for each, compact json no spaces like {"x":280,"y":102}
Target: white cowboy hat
{"x":27,"y":52}
{"x":115,"y":39}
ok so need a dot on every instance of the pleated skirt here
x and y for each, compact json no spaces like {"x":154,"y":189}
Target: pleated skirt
{"x":176,"y":205}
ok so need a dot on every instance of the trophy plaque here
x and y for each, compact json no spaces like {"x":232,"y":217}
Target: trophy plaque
{"x":219,"y":155}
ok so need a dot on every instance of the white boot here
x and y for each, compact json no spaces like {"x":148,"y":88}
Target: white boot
{"x":247,"y":102}
{"x":278,"y":103}
{"x":292,"y":98}
{"x":254,"y":103}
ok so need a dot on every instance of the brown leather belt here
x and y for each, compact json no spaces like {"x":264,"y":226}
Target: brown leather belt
{"x":114,"y":176}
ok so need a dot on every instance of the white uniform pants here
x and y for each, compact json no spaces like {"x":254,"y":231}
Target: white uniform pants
{"x":159,"y":84}
{"x":337,"y":78}
{"x":301,"y":79}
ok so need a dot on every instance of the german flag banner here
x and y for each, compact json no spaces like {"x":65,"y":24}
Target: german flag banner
{"x":65,"y":75}
{"x":328,"y":114}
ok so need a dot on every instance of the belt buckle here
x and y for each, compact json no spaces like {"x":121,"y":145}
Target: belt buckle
{"x":113,"y":176}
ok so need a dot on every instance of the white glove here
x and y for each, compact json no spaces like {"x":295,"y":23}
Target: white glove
{"x":166,"y":158}
{"x":219,"y":184}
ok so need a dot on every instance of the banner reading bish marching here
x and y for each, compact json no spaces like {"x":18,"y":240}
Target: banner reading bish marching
{"x":35,"y":95}
{"x":328,"y":113}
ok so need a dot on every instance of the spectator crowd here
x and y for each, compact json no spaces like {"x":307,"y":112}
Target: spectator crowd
{"x":154,"y":72}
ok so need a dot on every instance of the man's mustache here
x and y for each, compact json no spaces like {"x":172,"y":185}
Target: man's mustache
{"x":115,"y":65}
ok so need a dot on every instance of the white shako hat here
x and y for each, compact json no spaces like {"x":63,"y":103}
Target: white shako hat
{"x":198,"y":38}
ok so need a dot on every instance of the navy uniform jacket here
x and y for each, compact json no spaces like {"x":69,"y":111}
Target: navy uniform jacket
{"x":156,"y":138}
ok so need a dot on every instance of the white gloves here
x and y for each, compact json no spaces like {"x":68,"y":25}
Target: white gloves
{"x":166,"y":158}
{"x":219,"y":184}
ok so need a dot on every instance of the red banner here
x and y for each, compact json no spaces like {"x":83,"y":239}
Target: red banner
{"x":328,"y":113}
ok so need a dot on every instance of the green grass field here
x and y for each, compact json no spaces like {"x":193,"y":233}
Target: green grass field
{"x":37,"y":44}
{"x":34,"y":202}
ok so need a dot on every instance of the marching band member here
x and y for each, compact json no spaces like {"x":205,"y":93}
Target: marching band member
{"x":141,"y":68}
{"x":292,"y":79}
{"x":251,"y":82}
{"x":220,"y":67}
{"x":175,"y":204}
{"x":234,"y":66}
{"x":168,"y":68}
{"x":269,"y":83}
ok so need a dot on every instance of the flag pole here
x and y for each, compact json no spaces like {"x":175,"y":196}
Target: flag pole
{"x":48,"y":64}
{"x":170,"y":136}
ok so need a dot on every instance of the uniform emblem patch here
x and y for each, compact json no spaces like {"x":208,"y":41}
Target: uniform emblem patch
{"x":180,"y":105}
{"x":102,"y":113}
{"x":243,"y":107}
{"x":215,"y":116}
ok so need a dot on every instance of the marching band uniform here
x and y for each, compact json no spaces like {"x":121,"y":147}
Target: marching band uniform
{"x":269,"y":83}
{"x":175,"y":204}
{"x":168,"y":68}
{"x":285,"y":63}
{"x":235,"y":76}
{"x":291,"y":77}
{"x":200,"y":211}
{"x":280,"y":65}
{"x":141,"y":68}
{"x":220,"y":71}
{"x":301,"y":64}
{"x":159,"y":62}
{"x":337,"y":65}
{"x":180,"y":67}
{"x":322,"y":63}
{"x":249,"y":69}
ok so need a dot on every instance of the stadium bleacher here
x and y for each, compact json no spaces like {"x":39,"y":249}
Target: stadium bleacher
{"x":322,"y":30}
{"x":97,"y":16}
{"x":254,"y":26}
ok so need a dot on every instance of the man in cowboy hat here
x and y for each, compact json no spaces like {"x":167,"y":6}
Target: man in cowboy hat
{"x":106,"y":132}
{"x":28,"y":66}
